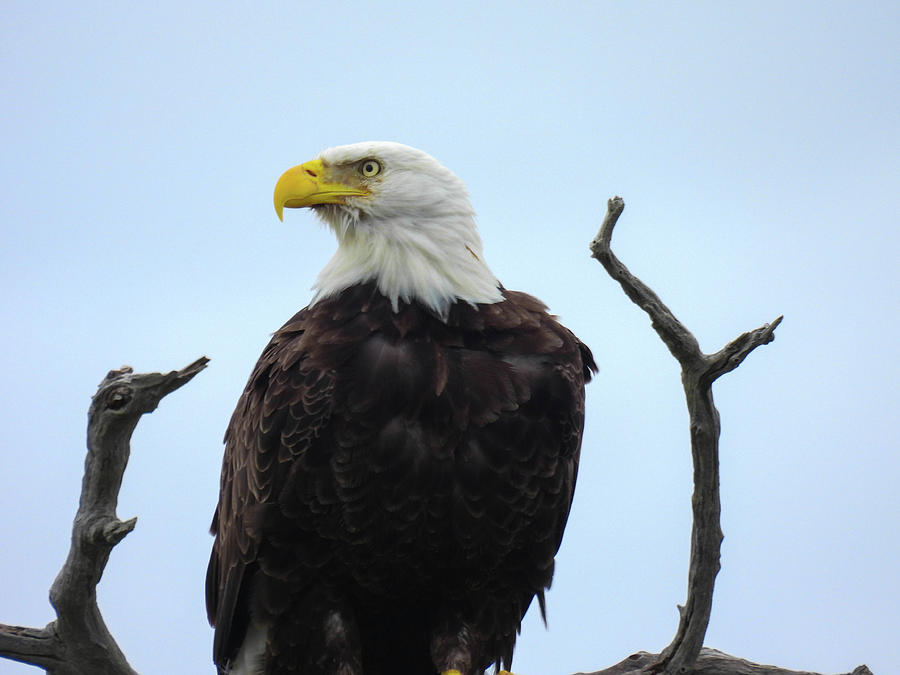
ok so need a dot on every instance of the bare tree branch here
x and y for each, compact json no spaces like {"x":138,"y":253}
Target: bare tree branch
{"x":37,"y":646}
{"x":78,"y":642}
{"x":733,"y":354}
{"x":698,"y":372}
{"x":677,"y":338}
{"x":709,"y":662}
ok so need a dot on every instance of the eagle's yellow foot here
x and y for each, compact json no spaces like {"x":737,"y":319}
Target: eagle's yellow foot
{"x":451,"y":672}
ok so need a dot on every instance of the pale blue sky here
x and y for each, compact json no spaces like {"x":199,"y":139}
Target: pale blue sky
{"x":755,"y":144}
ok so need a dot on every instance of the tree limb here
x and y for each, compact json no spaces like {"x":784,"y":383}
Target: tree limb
{"x":709,"y":662}
{"x":78,"y":641}
{"x":677,"y":338}
{"x":698,"y":372}
{"x":686,"y":654}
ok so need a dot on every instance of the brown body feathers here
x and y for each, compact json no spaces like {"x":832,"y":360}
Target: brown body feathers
{"x":395,"y":487}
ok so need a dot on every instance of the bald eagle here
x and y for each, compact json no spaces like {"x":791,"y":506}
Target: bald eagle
{"x":400,"y":467}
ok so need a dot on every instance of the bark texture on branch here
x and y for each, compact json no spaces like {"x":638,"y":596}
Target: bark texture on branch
{"x":78,"y":642}
{"x":698,"y":372}
{"x":709,"y":662}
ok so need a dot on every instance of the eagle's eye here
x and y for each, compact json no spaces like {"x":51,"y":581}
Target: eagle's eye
{"x":369,"y":168}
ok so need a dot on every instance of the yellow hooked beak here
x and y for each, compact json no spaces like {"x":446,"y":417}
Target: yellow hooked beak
{"x":308,"y":185}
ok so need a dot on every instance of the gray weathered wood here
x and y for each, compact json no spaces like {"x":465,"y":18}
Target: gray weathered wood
{"x":709,"y":662}
{"x":698,"y":372}
{"x":78,"y":642}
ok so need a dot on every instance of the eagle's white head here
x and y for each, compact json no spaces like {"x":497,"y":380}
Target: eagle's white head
{"x":402,"y":220}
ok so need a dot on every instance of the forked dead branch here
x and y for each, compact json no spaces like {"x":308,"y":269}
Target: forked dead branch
{"x":685,"y":654}
{"x":78,"y":642}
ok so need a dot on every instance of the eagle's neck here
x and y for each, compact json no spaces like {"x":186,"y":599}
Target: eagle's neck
{"x":436,"y":261}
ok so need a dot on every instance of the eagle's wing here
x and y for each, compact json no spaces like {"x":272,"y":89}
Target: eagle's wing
{"x":285,"y":403}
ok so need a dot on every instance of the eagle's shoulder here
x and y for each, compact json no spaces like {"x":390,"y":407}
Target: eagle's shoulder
{"x":522,"y":323}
